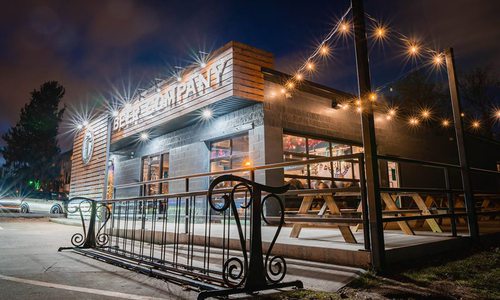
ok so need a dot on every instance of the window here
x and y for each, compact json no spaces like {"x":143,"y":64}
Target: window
{"x":227,"y":154}
{"x":318,"y":175}
{"x":155,"y":167}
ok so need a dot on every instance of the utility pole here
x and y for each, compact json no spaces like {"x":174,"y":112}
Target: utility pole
{"x":462,"y":153}
{"x":368,"y":136}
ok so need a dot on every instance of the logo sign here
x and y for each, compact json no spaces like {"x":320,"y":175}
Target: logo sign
{"x":87,"y":146}
{"x":196,"y":84}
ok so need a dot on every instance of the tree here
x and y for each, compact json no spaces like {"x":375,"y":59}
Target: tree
{"x":479,"y":89}
{"x":31,"y":145}
{"x":416,"y":92}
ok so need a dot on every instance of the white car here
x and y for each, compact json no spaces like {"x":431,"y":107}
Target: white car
{"x":36,"y":202}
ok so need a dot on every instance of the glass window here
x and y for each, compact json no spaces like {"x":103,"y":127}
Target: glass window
{"x":320,"y":175}
{"x":153,"y":168}
{"x":231,"y":153}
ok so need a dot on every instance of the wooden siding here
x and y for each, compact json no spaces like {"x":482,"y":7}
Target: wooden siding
{"x":242,"y":78}
{"x":88,"y":180}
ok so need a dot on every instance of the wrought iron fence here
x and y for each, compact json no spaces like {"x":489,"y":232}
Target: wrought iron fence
{"x":208,"y":240}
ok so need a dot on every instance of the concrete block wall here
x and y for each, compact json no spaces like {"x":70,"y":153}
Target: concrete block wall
{"x":188,"y":148}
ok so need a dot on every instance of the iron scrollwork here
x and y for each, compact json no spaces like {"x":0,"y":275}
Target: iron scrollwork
{"x":254,"y":273}
{"x":89,"y":239}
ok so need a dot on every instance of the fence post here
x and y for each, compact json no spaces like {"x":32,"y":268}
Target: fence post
{"x":364,"y":203}
{"x":451,"y":203}
{"x":462,"y":152}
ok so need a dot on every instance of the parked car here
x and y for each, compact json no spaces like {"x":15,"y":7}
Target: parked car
{"x":37,"y":202}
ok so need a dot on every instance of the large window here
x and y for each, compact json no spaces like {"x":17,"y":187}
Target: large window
{"x":155,"y":167}
{"x":230,"y":153}
{"x":320,"y":175}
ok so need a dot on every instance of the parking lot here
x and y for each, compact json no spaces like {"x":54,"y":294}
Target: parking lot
{"x":31,"y":268}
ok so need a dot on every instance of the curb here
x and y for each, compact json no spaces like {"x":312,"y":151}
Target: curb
{"x":64,"y":221}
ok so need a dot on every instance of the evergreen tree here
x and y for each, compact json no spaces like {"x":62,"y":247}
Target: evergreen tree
{"x":31,"y":145}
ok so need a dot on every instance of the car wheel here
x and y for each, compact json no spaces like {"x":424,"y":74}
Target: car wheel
{"x":56,"y":209}
{"x":25,"y":208}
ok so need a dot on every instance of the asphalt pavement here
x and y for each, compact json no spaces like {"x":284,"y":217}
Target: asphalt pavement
{"x":31,"y":268}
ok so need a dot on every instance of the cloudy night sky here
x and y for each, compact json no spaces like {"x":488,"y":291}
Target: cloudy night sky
{"x":90,"y":45}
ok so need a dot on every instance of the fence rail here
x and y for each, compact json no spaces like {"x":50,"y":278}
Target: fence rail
{"x":211,"y":241}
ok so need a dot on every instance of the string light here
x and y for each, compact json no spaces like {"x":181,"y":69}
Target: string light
{"x":283,"y":91}
{"x":310,"y":66}
{"x":497,"y":114}
{"x":380,"y":33}
{"x":476,"y":124}
{"x":372,"y":96}
{"x":324,"y":50}
{"x":413,"y":49}
{"x":438,"y":60}
{"x":299,"y":76}
{"x":445,"y":123}
{"x":290,"y":85}
{"x":344,"y":27}
{"x":426,"y":114}
{"x":413,"y":121}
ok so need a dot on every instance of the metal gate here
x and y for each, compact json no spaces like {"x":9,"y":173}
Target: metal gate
{"x":209,"y":240}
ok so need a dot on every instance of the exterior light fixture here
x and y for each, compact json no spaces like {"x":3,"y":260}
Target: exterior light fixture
{"x":85,"y":123}
{"x":414,"y":121}
{"x":206,"y":114}
{"x":128,"y":105}
{"x":79,"y":126}
{"x":203,"y":64}
{"x":114,"y":113}
{"x":476,"y":124}
{"x":144,"y":136}
{"x":372,"y":96}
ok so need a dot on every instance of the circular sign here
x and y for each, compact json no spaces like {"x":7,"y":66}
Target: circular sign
{"x":87,"y":147}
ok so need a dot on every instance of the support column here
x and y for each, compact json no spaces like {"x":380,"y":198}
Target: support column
{"x":462,"y":153}
{"x":368,"y":135}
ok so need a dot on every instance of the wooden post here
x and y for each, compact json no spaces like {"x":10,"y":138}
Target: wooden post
{"x":368,"y":135}
{"x":462,"y":153}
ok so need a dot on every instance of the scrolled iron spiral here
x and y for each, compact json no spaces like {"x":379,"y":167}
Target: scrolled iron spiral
{"x":103,"y":238}
{"x":228,"y":275}
{"x":275,"y":266}
{"x":77,"y":239}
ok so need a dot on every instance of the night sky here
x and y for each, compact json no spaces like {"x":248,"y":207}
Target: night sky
{"x":89,"y":45}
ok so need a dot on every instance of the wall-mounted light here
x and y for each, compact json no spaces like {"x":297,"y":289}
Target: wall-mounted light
{"x":206,"y":113}
{"x":144,"y":136}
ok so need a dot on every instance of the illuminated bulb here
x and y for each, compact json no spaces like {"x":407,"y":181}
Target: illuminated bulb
{"x":358,"y":102}
{"x":413,"y":121}
{"x":359,"y":109}
{"x":345,"y":106}
{"x":85,"y":123}
{"x":299,"y":76}
{"x":344,"y":27}
{"x":392,"y":112}
{"x":203,"y":64}
{"x":380,"y":32}
{"x":247,"y":163}
{"x":128,"y":105}
{"x":413,"y":49}
{"x":158,"y":90}
{"x":144,"y":136}
{"x":324,"y":50}
{"x":462,"y":115}
{"x":497,"y":114}
{"x":283,"y":90}
{"x":79,"y":126}
{"x":290,"y":85}
{"x":445,"y":123}
{"x":179,"y":78}
{"x":437,"y":60}
{"x":426,"y":114}
{"x":310,"y":66}
{"x":476,"y":124}
{"x":373,"y":96}
{"x":114,"y":113}
{"x":206,"y":114}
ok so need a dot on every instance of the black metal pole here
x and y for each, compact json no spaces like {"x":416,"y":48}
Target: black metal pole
{"x":462,"y":153}
{"x":368,"y":135}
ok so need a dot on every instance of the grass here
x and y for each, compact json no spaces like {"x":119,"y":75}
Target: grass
{"x":479,"y":272}
{"x":465,"y":275}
